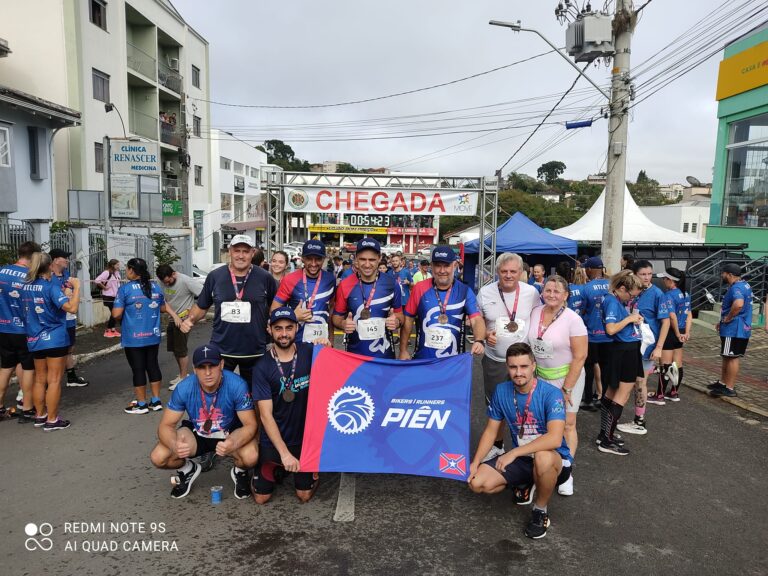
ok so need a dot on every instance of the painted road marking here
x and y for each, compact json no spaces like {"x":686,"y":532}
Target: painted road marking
{"x":345,"y":505}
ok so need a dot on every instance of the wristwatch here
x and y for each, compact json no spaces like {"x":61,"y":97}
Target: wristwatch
{"x":480,"y":342}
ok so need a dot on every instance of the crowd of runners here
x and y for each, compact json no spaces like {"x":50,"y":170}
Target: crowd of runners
{"x":550,"y":347}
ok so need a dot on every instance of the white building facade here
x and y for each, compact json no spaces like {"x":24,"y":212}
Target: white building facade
{"x":686,"y":217}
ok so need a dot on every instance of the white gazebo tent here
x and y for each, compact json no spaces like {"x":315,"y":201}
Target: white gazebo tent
{"x":638,"y":228}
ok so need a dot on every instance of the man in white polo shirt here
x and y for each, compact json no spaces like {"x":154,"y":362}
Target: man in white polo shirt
{"x":506,"y":307}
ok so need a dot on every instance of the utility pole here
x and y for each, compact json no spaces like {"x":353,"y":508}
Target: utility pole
{"x":618,"y":129}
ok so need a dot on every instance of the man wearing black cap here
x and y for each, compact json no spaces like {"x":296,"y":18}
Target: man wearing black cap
{"x":309,"y":292}
{"x":281,"y":390}
{"x":735,"y":328}
{"x":221,"y":420}
{"x":241,"y":295}
{"x":594,"y":291}
{"x":368,"y":305}
{"x":439,"y":309}
{"x":60,"y":274}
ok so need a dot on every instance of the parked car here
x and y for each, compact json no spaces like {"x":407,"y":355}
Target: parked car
{"x":390,"y":249}
{"x":425,"y":251}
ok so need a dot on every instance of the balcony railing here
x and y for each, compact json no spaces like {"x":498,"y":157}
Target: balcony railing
{"x":170,"y":134}
{"x":141,"y":62}
{"x":169,"y":78}
{"x":142,"y":124}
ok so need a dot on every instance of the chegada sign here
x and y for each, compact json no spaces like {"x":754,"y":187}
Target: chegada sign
{"x":381,"y":201}
{"x":134,"y":157}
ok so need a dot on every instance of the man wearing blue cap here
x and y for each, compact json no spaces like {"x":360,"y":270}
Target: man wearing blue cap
{"x":281,"y":390}
{"x":439,"y":309}
{"x":309,"y":292}
{"x":369,"y":305}
{"x":594,"y":291}
{"x":221,"y":420}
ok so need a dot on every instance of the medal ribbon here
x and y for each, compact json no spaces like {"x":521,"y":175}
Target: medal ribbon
{"x":542,"y":328}
{"x":310,"y":300}
{"x":208,"y":412}
{"x":239,"y":295}
{"x":521,"y":420}
{"x":442,"y":304}
{"x":512,"y":314}
{"x":287,"y":383}
{"x":367,"y":304}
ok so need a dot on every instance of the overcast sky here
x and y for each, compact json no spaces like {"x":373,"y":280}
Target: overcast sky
{"x":308,"y":52}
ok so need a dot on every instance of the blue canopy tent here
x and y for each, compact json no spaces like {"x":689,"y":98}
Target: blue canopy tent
{"x":521,"y":236}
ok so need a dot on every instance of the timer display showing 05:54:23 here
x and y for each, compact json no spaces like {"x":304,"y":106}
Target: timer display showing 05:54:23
{"x":368,"y":220}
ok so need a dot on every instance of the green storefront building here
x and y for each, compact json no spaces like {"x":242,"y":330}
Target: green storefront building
{"x":739,"y":210}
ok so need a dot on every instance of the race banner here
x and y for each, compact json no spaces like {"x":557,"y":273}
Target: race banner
{"x":383,"y":201}
{"x":388,"y":416}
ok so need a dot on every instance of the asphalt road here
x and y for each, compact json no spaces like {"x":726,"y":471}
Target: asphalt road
{"x":690,"y":499}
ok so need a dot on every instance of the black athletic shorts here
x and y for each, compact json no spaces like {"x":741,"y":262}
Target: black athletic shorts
{"x":51,"y":353}
{"x":204,"y":445}
{"x":519,"y":474}
{"x":621,"y":362}
{"x":72,"y":335}
{"x":672,"y":342}
{"x":264,"y":476}
{"x":13,"y":351}
{"x":733,"y":347}
{"x":176,"y":341}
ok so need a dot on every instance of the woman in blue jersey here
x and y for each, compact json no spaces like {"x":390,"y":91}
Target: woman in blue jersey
{"x":139,"y":303}
{"x":680,"y":321}
{"x":621,"y":364}
{"x":45,"y":321}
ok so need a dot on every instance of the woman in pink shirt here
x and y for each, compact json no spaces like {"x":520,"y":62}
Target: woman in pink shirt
{"x":558,"y":338}
{"x":109,"y":282}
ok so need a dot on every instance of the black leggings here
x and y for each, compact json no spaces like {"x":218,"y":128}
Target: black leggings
{"x":143,"y":363}
{"x":109,"y":302}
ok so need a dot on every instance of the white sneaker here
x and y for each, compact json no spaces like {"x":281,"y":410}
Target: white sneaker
{"x":174,"y":382}
{"x":493,"y":453}
{"x":19,"y":397}
{"x":632,"y":428}
{"x":566,"y":488}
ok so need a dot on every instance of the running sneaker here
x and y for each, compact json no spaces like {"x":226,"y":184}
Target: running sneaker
{"x":41,"y":420}
{"x":537,"y":526}
{"x":107,"y":333}
{"x":657,"y":399}
{"x":182,"y":483}
{"x":588,"y":406}
{"x":523,"y":496}
{"x":617,"y":438}
{"x":136,"y":408}
{"x":715,"y":384}
{"x":5,"y":413}
{"x":59,"y":424}
{"x":207,"y":461}
{"x":75,"y":380}
{"x":493,"y":453}
{"x":724,"y":391}
{"x":242,"y":483}
{"x":609,"y":447}
{"x":26,"y":416}
{"x":174,"y":382}
{"x":637,"y":426}
{"x":566,"y":488}
{"x":156,"y":406}
{"x":672,"y":396}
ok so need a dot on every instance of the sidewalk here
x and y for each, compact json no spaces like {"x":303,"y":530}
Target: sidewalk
{"x":702,"y":366}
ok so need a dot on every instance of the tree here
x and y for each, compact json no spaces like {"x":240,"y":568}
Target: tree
{"x":346,"y":168}
{"x":645,"y":191}
{"x":163,"y":249}
{"x":281,"y":154}
{"x":550,"y":171}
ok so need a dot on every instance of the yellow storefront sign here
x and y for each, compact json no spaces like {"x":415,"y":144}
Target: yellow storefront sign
{"x":743,"y":71}
{"x":345,"y":228}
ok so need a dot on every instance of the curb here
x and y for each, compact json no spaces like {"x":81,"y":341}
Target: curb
{"x":739,"y":403}
{"x":97,"y":354}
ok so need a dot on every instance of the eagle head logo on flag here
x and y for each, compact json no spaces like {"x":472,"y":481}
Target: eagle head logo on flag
{"x":375,"y":415}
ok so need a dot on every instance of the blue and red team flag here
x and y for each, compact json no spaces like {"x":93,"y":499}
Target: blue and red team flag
{"x":379,"y":415}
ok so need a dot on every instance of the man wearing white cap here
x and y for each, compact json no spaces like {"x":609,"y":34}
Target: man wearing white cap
{"x":241,"y":294}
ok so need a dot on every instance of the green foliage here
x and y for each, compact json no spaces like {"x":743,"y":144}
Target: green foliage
{"x":645,"y":191}
{"x":7,"y":254}
{"x":346,"y":168}
{"x":550,"y":171}
{"x":281,"y":154}
{"x":163,"y":249}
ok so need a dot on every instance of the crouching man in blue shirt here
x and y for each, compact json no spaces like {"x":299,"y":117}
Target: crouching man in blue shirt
{"x":535,"y":413}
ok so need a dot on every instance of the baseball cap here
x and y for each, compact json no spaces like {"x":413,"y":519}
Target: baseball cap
{"x":594,"y":262}
{"x":242,"y":239}
{"x":732,"y":268}
{"x":206,"y":354}
{"x":668,"y":274}
{"x":313,"y":248}
{"x":59,"y":253}
{"x":443,"y":254}
{"x":369,"y":244}
{"x":282,"y":313}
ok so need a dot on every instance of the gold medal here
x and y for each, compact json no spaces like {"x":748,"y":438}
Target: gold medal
{"x":443,"y":319}
{"x":288,"y":395}
{"x":365,"y":314}
{"x":512,"y":326}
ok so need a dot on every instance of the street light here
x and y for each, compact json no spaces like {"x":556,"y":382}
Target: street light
{"x":108,"y":107}
{"x":517,"y":27}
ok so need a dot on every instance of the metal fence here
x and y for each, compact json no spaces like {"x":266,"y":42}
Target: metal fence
{"x":97,"y":256}
{"x":65,"y":240}
{"x":13,"y":233}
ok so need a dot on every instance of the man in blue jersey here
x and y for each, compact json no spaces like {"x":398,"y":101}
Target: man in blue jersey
{"x":735,"y":328}
{"x":438,"y":309}
{"x":309,"y":292}
{"x":13,"y":337}
{"x":60,"y":273}
{"x":221,"y":420}
{"x":535,"y":412}
{"x":241,"y":295}
{"x":593,"y":292}
{"x":403,"y":278}
{"x":368,"y":305}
